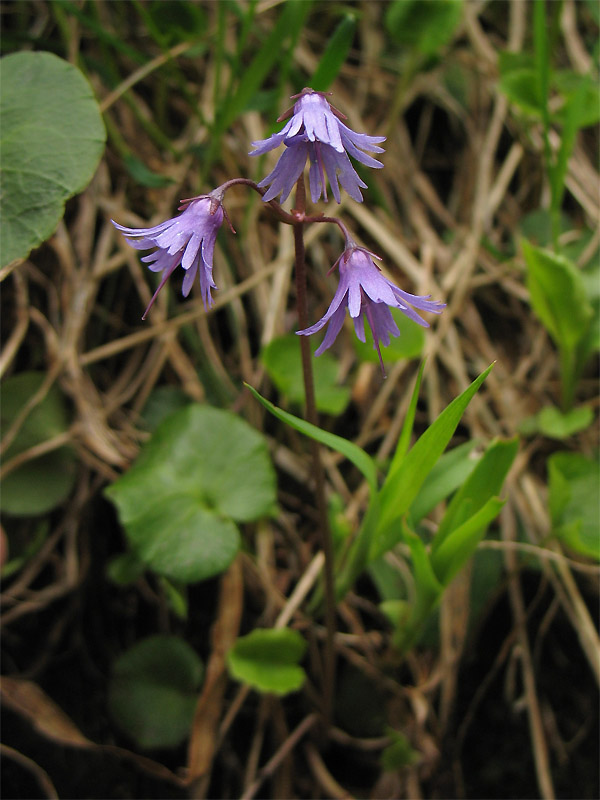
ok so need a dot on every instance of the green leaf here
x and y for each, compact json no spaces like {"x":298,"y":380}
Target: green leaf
{"x":571,"y":84}
{"x":536,"y":226}
{"x":426,"y":27}
{"x":335,"y":54}
{"x":520,"y":87}
{"x":353,"y":453}
{"x":176,"y":596}
{"x":51,"y":142}
{"x":428,"y":586}
{"x":143,"y":175}
{"x":403,"y":483}
{"x":428,"y":591}
{"x":484,"y":482}
{"x":409,"y":344}
{"x":509,"y":61}
{"x":288,"y":25}
{"x":178,"y":21}
{"x":398,"y":754}
{"x":558,"y":295}
{"x":267,"y":660}
{"x":153,"y":691}
{"x":555,"y":424}
{"x":283,"y":362}
{"x":447,"y":475}
{"x":45,"y":482}
{"x":203,"y":470}
{"x":161,"y":403}
{"x":24,"y":551}
{"x":407,"y":425}
{"x":460,"y":544}
{"x":574,"y":506}
{"x":125,"y":568}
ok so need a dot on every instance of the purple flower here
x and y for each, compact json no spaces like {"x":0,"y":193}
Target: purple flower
{"x":367,"y":293}
{"x":316,"y":131}
{"x":188,"y":239}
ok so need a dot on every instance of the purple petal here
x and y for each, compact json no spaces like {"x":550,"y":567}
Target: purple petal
{"x":265,"y":145}
{"x":365,"y":159}
{"x":189,"y":278}
{"x":191,"y":250}
{"x":335,"y":326}
{"x":419,"y":301}
{"x":286,"y":172}
{"x":330,"y":157}
{"x":362,"y":140}
{"x":142,"y":231}
{"x":359,"y":327}
{"x":382,"y":323}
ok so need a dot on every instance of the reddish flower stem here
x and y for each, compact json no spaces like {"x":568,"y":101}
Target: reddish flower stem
{"x":318,"y":471}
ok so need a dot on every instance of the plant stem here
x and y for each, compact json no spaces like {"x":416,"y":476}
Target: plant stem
{"x":318,"y":472}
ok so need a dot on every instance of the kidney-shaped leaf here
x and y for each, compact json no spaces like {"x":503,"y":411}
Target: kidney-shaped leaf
{"x":202,"y":470}
{"x":267,"y":660}
{"x":42,"y":483}
{"x":51,"y":142}
{"x":152,"y":692}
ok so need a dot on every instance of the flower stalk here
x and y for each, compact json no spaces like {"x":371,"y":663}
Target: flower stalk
{"x":318,"y":471}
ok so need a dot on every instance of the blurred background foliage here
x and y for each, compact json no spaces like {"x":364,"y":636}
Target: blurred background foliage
{"x":489,"y":201}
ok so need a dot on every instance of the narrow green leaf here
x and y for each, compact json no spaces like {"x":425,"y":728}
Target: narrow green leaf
{"x":335,"y":54}
{"x":289,"y":24}
{"x":541,"y":55}
{"x":353,"y":453}
{"x":460,"y":544}
{"x":407,"y":427}
{"x":484,"y":482}
{"x":403,"y":483}
{"x":451,"y":470}
{"x":428,"y":585}
{"x":428,"y":592}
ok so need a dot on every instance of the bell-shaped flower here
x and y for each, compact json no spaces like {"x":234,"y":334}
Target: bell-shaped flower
{"x":188,"y":239}
{"x":366,"y":293}
{"x":315,"y":130}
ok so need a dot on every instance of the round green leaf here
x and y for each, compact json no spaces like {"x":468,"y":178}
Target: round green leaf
{"x":51,"y":142}
{"x":203,"y":470}
{"x":152,"y":692}
{"x":43,"y":483}
{"x":267,"y":660}
{"x":178,"y":538}
{"x":283,"y":361}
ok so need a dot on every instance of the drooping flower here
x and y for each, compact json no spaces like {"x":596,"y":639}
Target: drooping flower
{"x":315,"y":130}
{"x":188,"y":239}
{"x":368,"y":294}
